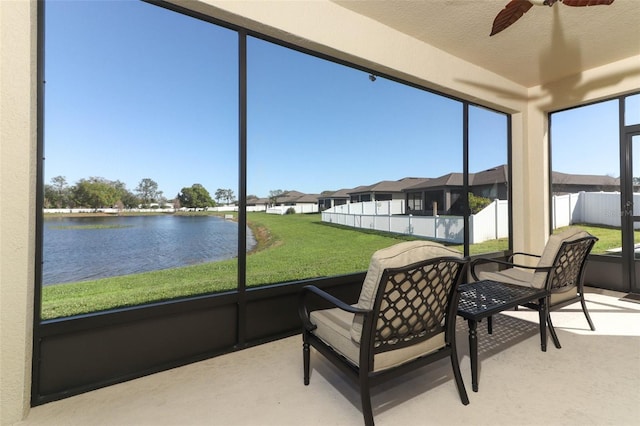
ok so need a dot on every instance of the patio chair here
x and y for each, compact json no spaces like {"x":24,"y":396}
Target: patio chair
{"x":404,"y":319}
{"x":560,"y":270}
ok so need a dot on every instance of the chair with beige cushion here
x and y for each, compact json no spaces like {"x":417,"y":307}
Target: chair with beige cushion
{"x":404,"y":319}
{"x":560,"y":270}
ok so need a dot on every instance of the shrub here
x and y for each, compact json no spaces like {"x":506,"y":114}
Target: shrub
{"x":477,"y":203}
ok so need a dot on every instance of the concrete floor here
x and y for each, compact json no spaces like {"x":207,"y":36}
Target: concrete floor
{"x":593,"y":380}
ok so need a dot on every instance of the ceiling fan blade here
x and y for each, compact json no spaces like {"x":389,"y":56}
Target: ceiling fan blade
{"x":578,"y":3}
{"x":510,"y":14}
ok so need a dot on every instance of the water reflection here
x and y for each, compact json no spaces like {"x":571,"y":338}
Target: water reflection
{"x":78,"y":249}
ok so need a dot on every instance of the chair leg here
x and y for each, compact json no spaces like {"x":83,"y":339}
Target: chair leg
{"x":306,"y":360}
{"x":365,"y":397}
{"x":586,"y":313}
{"x":554,"y":336}
{"x":542,"y":318}
{"x":458,"y":376}
{"x":543,"y":307}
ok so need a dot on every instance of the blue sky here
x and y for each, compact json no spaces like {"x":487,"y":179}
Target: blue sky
{"x":134,"y":91}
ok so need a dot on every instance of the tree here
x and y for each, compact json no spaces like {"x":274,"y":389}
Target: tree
{"x":231,"y":197}
{"x":274,"y":194}
{"x":147,"y":191}
{"x":219,"y":194}
{"x":176,"y":202}
{"x":225,"y":194}
{"x":126,"y":199}
{"x":56,"y":194}
{"x":195,"y":197}
{"x":96,"y":192}
{"x":129,"y":200}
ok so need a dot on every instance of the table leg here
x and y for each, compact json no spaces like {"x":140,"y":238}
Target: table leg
{"x":473,"y":353}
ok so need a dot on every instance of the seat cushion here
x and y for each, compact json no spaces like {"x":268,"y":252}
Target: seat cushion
{"x":334,"y":326}
{"x":559,"y":297}
{"x":515,"y":276}
{"x":398,"y":255}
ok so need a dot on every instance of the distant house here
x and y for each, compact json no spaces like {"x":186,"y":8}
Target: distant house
{"x":300,"y":202}
{"x":288,"y":198}
{"x":257,"y":204}
{"x":384,"y":191}
{"x":329,"y":199}
{"x":307,"y":203}
{"x":563,"y":183}
{"x":443,"y":195}
{"x":491,"y":183}
{"x":440,"y":195}
{"x":428,"y":196}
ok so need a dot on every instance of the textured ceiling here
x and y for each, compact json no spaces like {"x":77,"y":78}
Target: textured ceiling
{"x":546,"y":44}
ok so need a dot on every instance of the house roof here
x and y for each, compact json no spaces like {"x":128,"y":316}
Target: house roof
{"x":341,"y":193}
{"x":308,"y":198}
{"x":257,"y":201}
{"x":450,"y":179}
{"x":486,"y":177}
{"x":499,"y":174}
{"x":559,"y":178}
{"x":297,"y":197}
{"x":390,"y":185}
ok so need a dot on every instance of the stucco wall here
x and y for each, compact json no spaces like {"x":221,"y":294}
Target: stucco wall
{"x":17,"y":172}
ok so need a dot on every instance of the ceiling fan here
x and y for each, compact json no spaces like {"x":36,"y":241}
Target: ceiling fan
{"x":516,"y":8}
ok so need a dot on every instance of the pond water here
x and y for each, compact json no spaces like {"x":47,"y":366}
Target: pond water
{"x":86,"y":248}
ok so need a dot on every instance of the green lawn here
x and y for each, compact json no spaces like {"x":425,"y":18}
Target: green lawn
{"x":608,"y":238}
{"x":290,"y":247}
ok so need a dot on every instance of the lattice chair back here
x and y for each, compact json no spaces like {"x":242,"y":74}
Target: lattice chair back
{"x":397,"y":256}
{"x":550,"y":253}
{"x":568,"y":266}
{"x":416,"y":302}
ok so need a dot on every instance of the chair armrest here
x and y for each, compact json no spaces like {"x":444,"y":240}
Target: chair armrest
{"x":520,"y":253}
{"x":482,"y":260}
{"x":313,"y":290}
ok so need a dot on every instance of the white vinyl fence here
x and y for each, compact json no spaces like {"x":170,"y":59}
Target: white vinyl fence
{"x":490,"y":223}
{"x":389,"y":216}
{"x":298,"y":208}
{"x":596,"y":208}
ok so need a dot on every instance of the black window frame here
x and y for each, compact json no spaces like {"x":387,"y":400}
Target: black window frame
{"x":243,"y":296}
{"x":243,"y":34}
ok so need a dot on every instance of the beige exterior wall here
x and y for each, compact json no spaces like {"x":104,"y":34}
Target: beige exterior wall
{"x":319,"y":25}
{"x":17,"y":208}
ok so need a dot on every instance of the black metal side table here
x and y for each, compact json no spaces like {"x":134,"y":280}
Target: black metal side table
{"x":482,"y":299}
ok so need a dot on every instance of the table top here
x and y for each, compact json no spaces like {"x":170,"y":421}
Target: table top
{"x":482,"y":299}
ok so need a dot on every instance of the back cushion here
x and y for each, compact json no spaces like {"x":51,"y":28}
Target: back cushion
{"x":551,"y":249}
{"x":398,"y":255}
